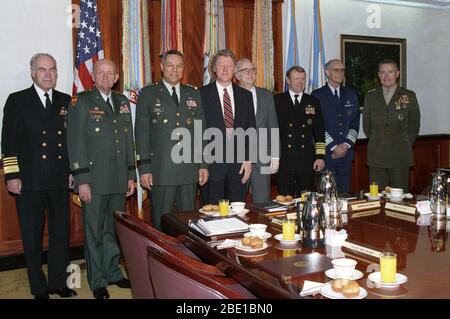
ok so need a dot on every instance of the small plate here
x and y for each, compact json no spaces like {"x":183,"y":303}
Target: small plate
{"x":326,"y":291}
{"x":375,"y":277}
{"x":370,"y":197}
{"x":284,"y":203}
{"x":265,"y":237}
{"x":355,"y":276}
{"x":211,"y":213}
{"x":241,"y":213}
{"x":217,"y":214}
{"x":249,"y":249}
{"x":279,"y":237}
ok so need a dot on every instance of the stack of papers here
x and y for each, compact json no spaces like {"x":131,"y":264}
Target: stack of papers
{"x":221,"y":226}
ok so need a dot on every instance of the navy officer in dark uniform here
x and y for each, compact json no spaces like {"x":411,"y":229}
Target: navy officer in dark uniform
{"x":341,"y":115}
{"x":37,"y":172}
{"x":302,"y":135}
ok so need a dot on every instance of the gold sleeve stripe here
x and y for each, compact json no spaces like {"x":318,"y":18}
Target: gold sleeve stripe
{"x":11,"y":169}
{"x":10,"y":159}
{"x":320,"y":152}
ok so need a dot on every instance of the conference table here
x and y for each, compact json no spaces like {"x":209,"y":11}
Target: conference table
{"x":418,"y":240}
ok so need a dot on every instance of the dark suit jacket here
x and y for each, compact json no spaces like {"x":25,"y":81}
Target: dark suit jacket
{"x":34,"y":145}
{"x":302,"y":135}
{"x":244,"y":117}
{"x":341,"y":118}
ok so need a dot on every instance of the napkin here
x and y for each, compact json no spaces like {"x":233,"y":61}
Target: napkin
{"x":423,"y":207}
{"x":310,"y":288}
{"x":227,"y":243}
{"x":335,"y":238}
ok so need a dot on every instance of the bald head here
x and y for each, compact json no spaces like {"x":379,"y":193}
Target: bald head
{"x":105,"y":75}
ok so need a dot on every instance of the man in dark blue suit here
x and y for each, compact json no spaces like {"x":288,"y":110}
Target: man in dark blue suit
{"x":341,"y":115}
{"x":228,"y":108}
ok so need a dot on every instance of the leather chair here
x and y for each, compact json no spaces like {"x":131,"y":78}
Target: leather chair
{"x":174,"y":280}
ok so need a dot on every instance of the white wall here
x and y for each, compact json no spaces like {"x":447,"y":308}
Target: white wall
{"x":29,"y":27}
{"x":428,"y":47}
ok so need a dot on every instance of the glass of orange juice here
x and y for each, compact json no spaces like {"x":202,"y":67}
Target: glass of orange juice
{"x":373,"y":189}
{"x":289,"y":229}
{"x":224,"y":205}
{"x":388,"y":267}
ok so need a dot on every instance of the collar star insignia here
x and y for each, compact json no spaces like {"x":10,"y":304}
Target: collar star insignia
{"x":97,"y":130}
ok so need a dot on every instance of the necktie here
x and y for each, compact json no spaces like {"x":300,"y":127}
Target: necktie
{"x":109,"y":104}
{"x":48,"y":103}
{"x":228,"y":113}
{"x":297,"y":102}
{"x":336,"y":94}
{"x":175,"y":96}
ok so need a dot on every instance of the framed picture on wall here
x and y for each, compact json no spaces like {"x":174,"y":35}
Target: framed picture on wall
{"x":361,"y":54}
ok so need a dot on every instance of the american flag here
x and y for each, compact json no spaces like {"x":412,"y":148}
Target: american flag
{"x":89,"y":46}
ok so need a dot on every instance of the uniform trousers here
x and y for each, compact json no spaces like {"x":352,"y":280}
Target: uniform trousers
{"x":292,"y":182}
{"x":164,"y":197}
{"x":101,"y":250}
{"x":31,"y":206}
{"x":394,"y":177}
{"x":342,"y":171}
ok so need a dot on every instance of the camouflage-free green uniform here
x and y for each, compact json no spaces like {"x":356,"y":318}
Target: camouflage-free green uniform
{"x":391,"y":129}
{"x":101,"y":153}
{"x":157,"y":117}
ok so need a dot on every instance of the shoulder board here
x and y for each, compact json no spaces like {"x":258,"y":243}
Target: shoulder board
{"x":191,"y":86}
{"x":371,"y":91}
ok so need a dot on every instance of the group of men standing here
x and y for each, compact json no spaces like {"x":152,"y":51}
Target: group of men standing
{"x":50,"y":143}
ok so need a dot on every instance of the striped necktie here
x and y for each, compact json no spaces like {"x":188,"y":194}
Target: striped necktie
{"x":228,"y":113}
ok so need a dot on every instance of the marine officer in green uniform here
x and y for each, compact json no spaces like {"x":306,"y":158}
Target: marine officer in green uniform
{"x":164,"y":113}
{"x":101,"y":153}
{"x":391,"y":122}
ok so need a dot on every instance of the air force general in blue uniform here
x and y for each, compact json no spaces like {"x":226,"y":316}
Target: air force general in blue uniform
{"x":341,"y":116}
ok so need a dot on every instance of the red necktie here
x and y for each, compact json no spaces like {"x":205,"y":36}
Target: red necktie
{"x":228,"y":113}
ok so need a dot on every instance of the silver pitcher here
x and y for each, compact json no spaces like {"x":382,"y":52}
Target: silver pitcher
{"x":313,"y":222}
{"x":327,"y":185}
{"x":438,"y":193}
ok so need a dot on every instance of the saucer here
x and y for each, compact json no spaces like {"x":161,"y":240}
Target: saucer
{"x":370,"y":197}
{"x":284,"y":203}
{"x":265,"y":236}
{"x":326,"y":291}
{"x":241,"y":213}
{"x":375,"y":277}
{"x":395,"y":198}
{"x":355,"y":276}
{"x":279,"y":237}
{"x":249,"y":249}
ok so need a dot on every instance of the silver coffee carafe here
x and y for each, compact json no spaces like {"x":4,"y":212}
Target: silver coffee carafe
{"x":327,"y":185}
{"x":438,"y":193}
{"x":313,"y":222}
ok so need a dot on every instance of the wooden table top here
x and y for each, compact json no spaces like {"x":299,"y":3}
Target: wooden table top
{"x":422,"y":255}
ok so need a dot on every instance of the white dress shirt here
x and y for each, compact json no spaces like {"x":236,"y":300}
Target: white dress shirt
{"x":334,"y":89}
{"x":255,"y":98}
{"x":177,"y":89}
{"x":293,"y":94}
{"x":106,"y":97}
{"x":230,"y":93}
{"x":41,"y":93}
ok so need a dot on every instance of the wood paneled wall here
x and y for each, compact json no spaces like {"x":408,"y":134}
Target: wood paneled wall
{"x":238,"y":25}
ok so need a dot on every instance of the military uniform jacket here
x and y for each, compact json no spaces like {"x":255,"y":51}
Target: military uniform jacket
{"x":341,"y":119}
{"x":302,"y":134}
{"x":100,"y":142}
{"x":34,"y":141}
{"x":391,"y":129}
{"x":157,"y":119}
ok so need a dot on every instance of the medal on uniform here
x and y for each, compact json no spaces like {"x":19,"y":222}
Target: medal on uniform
{"x":401,"y":117}
{"x":97,"y":130}
{"x":124,"y":109}
{"x":310,"y":110}
{"x":310,"y":121}
{"x":188,"y":121}
{"x":191,"y":103}
{"x":125,"y":129}
{"x":96,"y":114}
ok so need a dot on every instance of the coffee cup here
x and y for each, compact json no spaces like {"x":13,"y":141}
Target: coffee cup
{"x":344,"y":267}
{"x":237,"y":207}
{"x":257,"y":230}
{"x":396,"y":192}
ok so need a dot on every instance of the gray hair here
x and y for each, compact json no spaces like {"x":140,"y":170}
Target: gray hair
{"x":36,"y":57}
{"x":242,"y":61}
{"x":327,"y":66}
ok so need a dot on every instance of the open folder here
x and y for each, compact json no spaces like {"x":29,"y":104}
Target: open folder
{"x":219,"y":226}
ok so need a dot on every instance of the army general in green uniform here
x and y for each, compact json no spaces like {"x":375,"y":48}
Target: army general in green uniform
{"x":101,"y":153}
{"x":391,"y":121}
{"x":162,"y":109}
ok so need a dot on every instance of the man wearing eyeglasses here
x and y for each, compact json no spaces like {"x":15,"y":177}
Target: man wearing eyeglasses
{"x":266,"y":120}
{"x":341,"y":119}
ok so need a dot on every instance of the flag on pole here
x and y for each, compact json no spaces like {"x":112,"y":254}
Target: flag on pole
{"x":89,"y":46}
{"x":214,"y":35}
{"x":263,"y":44}
{"x":292,"y":56}
{"x":135,"y":62}
{"x":171,"y":26}
{"x":317,"y":77}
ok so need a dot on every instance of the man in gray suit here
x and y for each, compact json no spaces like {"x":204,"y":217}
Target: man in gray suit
{"x":267,"y":125}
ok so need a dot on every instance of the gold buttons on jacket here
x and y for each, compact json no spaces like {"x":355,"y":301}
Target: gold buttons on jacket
{"x":44,"y":132}
{"x":115,"y":131}
{"x":290,"y":135}
{"x":303,"y":136}
{"x":114,"y":121}
{"x":59,"y":132}
{"x":178,"y":113}
{"x":303,"y":146}
{"x":178,"y":124}
{"x":59,"y":145}
{"x":289,"y":145}
{"x":60,"y":157}
{"x":44,"y":157}
{"x":303,"y":125}
{"x":44,"y":144}
{"x":290,"y":125}
{"x":117,"y":141}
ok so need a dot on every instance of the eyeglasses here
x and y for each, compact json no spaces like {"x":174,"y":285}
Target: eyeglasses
{"x":248,"y":71}
{"x":338,"y":70}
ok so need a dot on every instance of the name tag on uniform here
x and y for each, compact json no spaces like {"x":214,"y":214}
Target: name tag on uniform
{"x":158,"y":109}
{"x":310,"y":110}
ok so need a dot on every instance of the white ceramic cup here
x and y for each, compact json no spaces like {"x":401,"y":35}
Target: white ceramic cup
{"x":237,"y":207}
{"x":257,"y":230}
{"x":396,"y":192}
{"x":344,"y":267}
